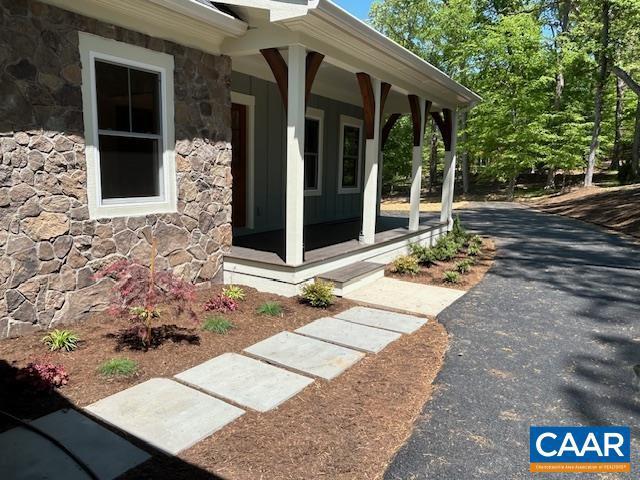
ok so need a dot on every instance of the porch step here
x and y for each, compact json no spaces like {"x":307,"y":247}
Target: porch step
{"x":352,"y":277}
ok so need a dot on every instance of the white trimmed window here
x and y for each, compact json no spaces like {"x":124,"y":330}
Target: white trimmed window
{"x":313,"y":139}
{"x":350,"y":155}
{"x":128,"y":114}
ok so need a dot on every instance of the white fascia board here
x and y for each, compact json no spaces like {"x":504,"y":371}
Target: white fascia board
{"x":352,"y":26}
{"x":223,"y":21}
{"x":278,"y":9}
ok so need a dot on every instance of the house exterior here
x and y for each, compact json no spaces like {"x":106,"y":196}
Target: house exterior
{"x":232,"y":135}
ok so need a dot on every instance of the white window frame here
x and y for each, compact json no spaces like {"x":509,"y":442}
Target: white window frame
{"x":317,"y":114}
{"x":346,"y":121}
{"x":94,"y":48}
{"x":249,"y":101}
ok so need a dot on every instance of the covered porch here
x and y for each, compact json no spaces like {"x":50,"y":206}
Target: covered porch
{"x":313,"y":154}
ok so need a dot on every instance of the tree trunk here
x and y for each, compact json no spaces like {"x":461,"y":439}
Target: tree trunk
{"x":464,"y":157}
{"x":602,"y":78}
{"x":433,"y":159}
{"x":635,"y":158}
{"x":617,"y":143}
{"x":511,"y":188}
{"x":551,"y":179}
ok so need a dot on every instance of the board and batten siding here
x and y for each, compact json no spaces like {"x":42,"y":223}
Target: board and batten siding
{"x":270,"y":157}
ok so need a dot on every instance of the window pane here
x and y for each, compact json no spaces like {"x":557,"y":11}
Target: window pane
{"x":351,"y":141}
{"x":311,"y":135}
{"x":349,"y":172}
{"x":145,"y":110}
{"x":129,"y":167}
{"x":112,"y":87}
{"x":310,"y":172}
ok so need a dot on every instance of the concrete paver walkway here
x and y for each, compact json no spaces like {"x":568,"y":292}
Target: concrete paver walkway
{"x":373,"y":317}
{"x":549,"y":337}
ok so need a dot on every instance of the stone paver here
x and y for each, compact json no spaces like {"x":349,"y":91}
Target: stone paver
{"x":307,"y":355}
{"x":165,"y":414}
{"x":245,"y":381}
{"x":33,"y":456}
{"x":348,"y":334}
{"x":406,"y":296}
{"x":372,"y":317}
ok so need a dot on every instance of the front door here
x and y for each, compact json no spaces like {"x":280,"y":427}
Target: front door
{"x":239,"y":164}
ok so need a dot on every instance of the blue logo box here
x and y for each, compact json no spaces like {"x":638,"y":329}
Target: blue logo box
{"x":579,"y":446}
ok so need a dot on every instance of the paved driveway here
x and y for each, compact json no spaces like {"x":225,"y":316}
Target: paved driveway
{"x":548,"y":338}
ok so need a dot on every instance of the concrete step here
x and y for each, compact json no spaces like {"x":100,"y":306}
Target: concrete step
{"x":353,"y":277}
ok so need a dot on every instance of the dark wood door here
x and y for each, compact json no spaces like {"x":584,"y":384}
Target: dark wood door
{"x":239,"y":164}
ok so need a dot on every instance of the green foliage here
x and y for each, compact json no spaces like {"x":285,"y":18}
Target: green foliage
{"x":473,"y":250}
{"x":271,"y":309}
{"x":406,"y":265}
{"x":425,"y":255}
{"x":217,"y":324}
{"x":458,"y":231}
{"x":318,"y":294}
{"x":118,"y":367}
{"x":61,"y":340}
{"x":476,"y":240}
{"x":464,"y":266}
{"x":234,"y":292}
{"x":451,"y":276}
{"x":446,"y":248}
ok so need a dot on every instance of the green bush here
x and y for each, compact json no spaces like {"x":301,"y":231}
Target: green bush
{"x":476,"y":240}
{"x":473,"y":250}
{"x":217,"y":324}
{"x":271,"y":309}
{"x":234,"y":293}
{"x":118,"y":367}
{"x":451,"y":276}
{"x":464,"y":266}
{"x":425,"y":255}
{"x":458,"y":231}
{"x":406,"y":265}
{"x":318,"y":294}
{"x":446,"y":248}
{"x":61,"y":340}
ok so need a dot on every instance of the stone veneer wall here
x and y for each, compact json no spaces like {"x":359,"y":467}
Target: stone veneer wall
{"x":49,"y":248}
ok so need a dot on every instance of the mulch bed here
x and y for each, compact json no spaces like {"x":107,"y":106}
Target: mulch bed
{"x":434,"y":274}
{"x":347,"y":428}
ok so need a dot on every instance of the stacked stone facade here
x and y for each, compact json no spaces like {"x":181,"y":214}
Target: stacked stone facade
{"x":49,"y":247}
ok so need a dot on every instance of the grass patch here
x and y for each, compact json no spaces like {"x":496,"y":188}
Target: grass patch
{"x":219,"y":325}
{"x":118,"y":367}
{"x":271,"y":309}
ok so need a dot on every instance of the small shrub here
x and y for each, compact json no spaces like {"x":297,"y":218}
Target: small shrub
{"x":318,"y":294}
{"x":139,"y":291}
{"x":476,"y":240}
{"x":406,"y":265}
{"x":464,"y":266}
{"x":234,"y":293}
{"x":118,"y":367}
{"x":271,"y":309}
{"x":222,"y":304}
{"x":61,"y":340}
{"x":458,"y":231}
{"x":43,"y":376}
{"x":217,"y":324}
{"x":473,"y":251}
{"x":425,"y":255}
{"x":451,"y":276}
{"x":446,"y":248}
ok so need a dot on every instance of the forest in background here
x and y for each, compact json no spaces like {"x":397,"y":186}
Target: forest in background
{"x":560,"y":82}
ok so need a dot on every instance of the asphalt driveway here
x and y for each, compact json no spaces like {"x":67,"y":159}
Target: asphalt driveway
{"x":548,"y":338}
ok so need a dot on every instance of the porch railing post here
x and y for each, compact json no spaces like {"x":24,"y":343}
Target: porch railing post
{"x":449,"y":178}
{"x":295,"y":156}
{"x":416,"y":171}
{"x":372,"y":156}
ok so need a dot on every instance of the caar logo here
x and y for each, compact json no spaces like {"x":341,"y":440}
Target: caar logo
{"x":580,"y":449}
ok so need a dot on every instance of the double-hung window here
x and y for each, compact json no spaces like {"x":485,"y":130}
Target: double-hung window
{"x":128,"y":111}
{"x":350,"y":155}
{"x":313,"y":138}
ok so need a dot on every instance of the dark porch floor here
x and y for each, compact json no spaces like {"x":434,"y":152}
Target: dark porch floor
{"x":324,"y":240}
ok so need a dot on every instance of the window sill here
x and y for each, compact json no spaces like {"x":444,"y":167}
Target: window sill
{"x":139,"y":209}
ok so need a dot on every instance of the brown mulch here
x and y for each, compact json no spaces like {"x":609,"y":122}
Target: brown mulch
{"x":349,"y":427}
{"x":185,"y":346}
{"x":434,"y":274}
{"x":614,"y":208}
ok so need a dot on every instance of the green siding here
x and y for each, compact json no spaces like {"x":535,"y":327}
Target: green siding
{"x":270,"y":157}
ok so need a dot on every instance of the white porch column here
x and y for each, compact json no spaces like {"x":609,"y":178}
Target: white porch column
{"x":294,"y":223}
{"x":380,"y":167}
{"x":449,"y":179}
{"x":416,"y":174}
{"x":372,"y":155}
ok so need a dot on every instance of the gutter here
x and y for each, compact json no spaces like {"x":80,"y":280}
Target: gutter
{"x":196,"y":10}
